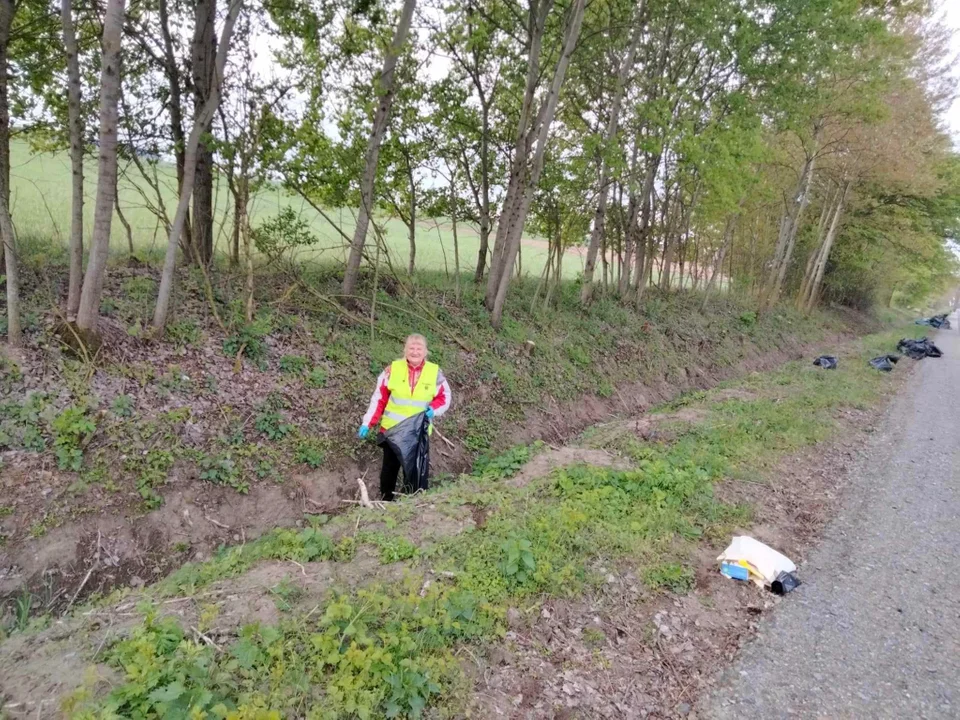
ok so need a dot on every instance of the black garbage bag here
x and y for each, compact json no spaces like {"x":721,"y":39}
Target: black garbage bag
{"x":410,"y":442}
{"x":884,"y":362}
{"x":919,"y":349}
{"x":785,"y":582}
{"x":827,"y":362}
{"x":937,"y":321}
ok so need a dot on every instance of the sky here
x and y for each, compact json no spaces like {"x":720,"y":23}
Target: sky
{"x":951,"y":10}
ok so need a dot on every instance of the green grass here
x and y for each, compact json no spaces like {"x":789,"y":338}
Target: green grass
{"x":391,"y":650}
{"x":40,"y":182}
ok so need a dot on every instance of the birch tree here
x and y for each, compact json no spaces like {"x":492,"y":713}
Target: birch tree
{"x":88,"y":312}
{"x":203,"y":119}
{"x":385,"y":89}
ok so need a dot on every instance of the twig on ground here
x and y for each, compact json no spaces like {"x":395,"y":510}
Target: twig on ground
{"x":441,"y":436}
{"x":215,"y":522}
{"x":302,"y":568}
{"x":85,"y":578}
{"x":207,"y":640}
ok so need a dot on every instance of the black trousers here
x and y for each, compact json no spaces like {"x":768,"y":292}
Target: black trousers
{"x":389,"y":472}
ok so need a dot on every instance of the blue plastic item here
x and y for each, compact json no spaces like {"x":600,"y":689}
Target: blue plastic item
{"x":734,"y":572}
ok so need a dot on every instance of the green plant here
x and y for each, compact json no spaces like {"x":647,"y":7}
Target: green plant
{"x":22,"y":607}
{"x":283,"y":232}
{"x":122,"y":406}
{"x":6,"y":511}
{"x":247,"y":341}
{"x":317,"y":377}
{"x":309,"y":452}
{"x":674,"y":577}
{"x":293,"y":364}
{"x":71,"y":428}
{"x":271,"y":425}
{"x":222,"y":470}
{"x":183,"y":332}
{"x":748,"y":319}
{"x":140,"y":288}
{"x":518,"y":563}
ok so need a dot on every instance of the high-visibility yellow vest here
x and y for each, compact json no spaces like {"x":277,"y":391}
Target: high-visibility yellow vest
{"x":403,"y":403}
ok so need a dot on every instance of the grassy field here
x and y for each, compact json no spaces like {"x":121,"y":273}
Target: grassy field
{"x":41,"y":193}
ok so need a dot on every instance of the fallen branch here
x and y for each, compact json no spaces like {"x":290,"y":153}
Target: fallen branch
{"x":215,"y":522}
{"x":207,"y":640}
{"x":364,"y":495}
{"x":82,"y":585}
{"x":440,"y":435}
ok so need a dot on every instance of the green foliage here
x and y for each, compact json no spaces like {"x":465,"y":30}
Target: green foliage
{"x":222,"y":470}
{"x":272,"y":426}
{"x":248,"y":341}
{"x":293,"y":364}
{"x":122,"y":406}
{"x":310,"y":452}
{"x":317,"y":377}
{"x":71,"y":428}
{"x":674,"y":577}
{"x":518,"y":563}
{"x":284,"y":232}
{"x":183,"y":333}
{"x":506,"y":464}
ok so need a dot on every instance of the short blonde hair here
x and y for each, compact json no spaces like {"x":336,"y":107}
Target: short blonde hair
{"x":416,"y":337}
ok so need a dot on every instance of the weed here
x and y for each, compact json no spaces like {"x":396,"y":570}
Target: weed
{"x":518,"y":563}
{"x":183,"y":333}
{"x":122,"y":406}
{"x":71,"y":428}
{"x":674,"y":577}
{"x":22,"y":607}
{"x":594,"y":637}
{"x":310,"y":452}
{"x":507,"y":464}
{"x":6,"y":511}
{"x":392,"y":548}
{"x":222,"y":470}
{"x":247,"y":341}
{"x":293,"y":364}
{"x":317,"y":377}
{"x":271,"y":425}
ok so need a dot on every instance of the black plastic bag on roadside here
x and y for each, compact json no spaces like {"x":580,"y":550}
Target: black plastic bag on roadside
{"x":785,"y":582}
{"x":827,"y":362}
{"x":937,"y":321}
{"x":919,"y":349}
{"x":410,"y":442}
{"x":884,"y":362}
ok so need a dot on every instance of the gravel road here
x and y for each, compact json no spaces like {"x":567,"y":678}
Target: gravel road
{"x":875,"y":630}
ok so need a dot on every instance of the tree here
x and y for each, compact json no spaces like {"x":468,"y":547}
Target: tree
{"x":88,"y":312}
{"x":385,"y":90}
{"x":202,"y":120}
{"x":202,"y":59}
{"x":75,"y":128}
{"x":532,"y":129}
{"x":7,"y":10}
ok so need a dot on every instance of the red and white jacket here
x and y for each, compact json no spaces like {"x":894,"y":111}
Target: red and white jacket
{"x":378,"y":401}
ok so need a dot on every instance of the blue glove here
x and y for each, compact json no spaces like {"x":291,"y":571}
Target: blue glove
{"x":430,"y":413}
{"x":363,"y":432}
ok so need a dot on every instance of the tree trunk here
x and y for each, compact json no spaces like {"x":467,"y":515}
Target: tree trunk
{"x":7,"y":239}
{"x":190,"y":166}
{"x":537,"y":16}
{"x":809,"y":271}
{"x":728,"y":232}
{"x":485,"y":192}
{"x":88,"y":313}
{"x":203,"y":56}
{"x":75,"y":125}
{"x":789,"y":226}
{"x":456,"y":242}
{"x":824,"y":254}
{"x":515,"y":230}
{"x":411,"y":183}
{"x":175,"y":108}
{"x":609,"y":138}
{"x":386,"y":91}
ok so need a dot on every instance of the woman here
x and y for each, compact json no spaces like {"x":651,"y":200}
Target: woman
{"x":405,"y":388}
